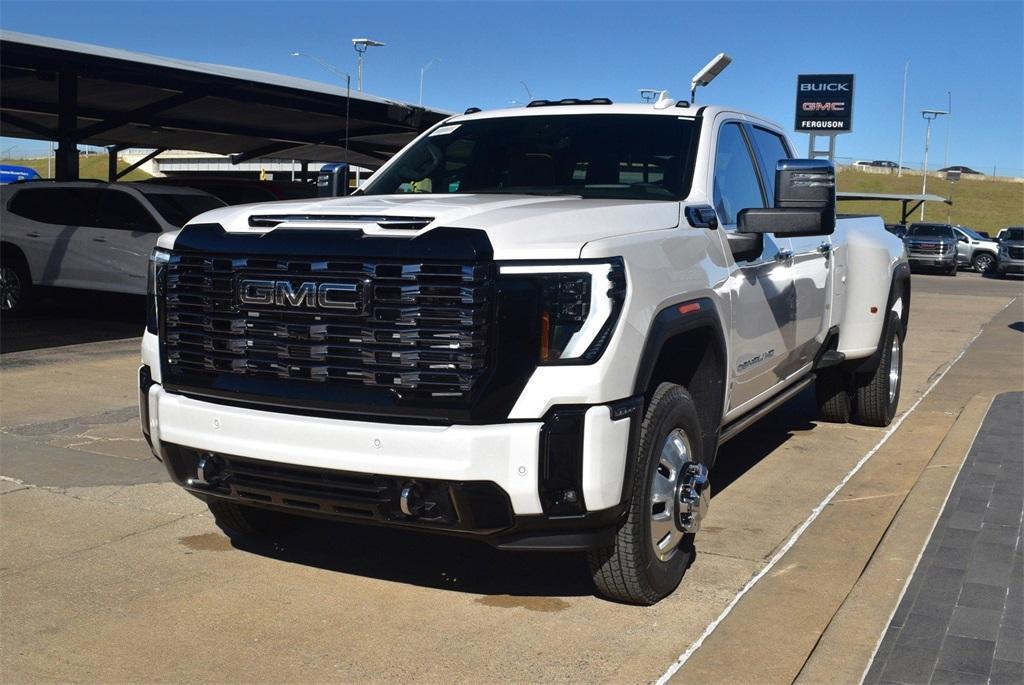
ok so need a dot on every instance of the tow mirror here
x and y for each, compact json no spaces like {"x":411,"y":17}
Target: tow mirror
{"x":805,"y":201}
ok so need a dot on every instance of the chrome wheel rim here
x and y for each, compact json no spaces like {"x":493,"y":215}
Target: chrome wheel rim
{"x":674,"y":455}
{"x":983,"y":263}
{"x":10,"y":288}
{"x":894,"y":368}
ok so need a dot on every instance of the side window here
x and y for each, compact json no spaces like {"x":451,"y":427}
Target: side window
{"x":735,"y":184}
{"x":32,"y":203}
{"x":120,"y":210}
{"x":59,"y":206}
{"x":771,"y":148}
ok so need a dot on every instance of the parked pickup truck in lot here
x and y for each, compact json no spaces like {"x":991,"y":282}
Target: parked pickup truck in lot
{"x":532,"y":327}
{"x":1011,"y":251}
{"x":933,"y":246}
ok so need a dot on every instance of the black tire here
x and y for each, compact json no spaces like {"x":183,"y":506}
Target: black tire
{"x":629,"y":571}
{"x":951,"y":271}
{"x":877,"y":399}
{"x":238,"y":520}
{"x":834,"y":393}
{"x":15,"y":286}
{"x":983,"y":262}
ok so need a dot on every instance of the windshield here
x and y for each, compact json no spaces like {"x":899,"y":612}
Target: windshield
{"x":178,"y":209}
{"x":620,"y":156}
{"x":973,"y":234}
{"x":1013,"y":234}
{"x":931,"y":230}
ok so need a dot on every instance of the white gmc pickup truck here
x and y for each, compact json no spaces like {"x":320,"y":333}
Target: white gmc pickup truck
{"x":532,"y":327}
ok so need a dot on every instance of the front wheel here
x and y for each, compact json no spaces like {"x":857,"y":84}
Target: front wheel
{"x":983,"y":262}
{"x":670,"y":495}
{"x":879,"y":394}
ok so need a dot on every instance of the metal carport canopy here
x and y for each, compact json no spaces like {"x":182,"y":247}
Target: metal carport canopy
{"x":76,"y":93}
{"x":907,"y":210}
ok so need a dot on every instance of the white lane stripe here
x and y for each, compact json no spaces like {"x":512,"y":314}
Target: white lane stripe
{"x":920,"y":554}
{"x":685,"y":656}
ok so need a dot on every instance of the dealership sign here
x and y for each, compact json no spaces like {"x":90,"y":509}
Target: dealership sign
{"x":824,"y":103}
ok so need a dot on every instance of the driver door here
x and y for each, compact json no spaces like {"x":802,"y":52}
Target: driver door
{"x":760,"y":286}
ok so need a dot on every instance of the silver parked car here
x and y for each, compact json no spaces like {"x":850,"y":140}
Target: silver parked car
{"x":975,"y":250}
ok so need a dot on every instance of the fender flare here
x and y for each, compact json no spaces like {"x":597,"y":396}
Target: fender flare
{"x":671,"y":322}
{"x":900,"y":284}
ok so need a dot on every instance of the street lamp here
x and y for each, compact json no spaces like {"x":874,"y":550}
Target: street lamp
{"x":361,"y":45}
{"x":929,"y":115}
{"x":423,"y":70}
{"x":348,"y":97}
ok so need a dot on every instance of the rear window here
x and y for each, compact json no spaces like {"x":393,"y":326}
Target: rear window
{"x":177,"y":209}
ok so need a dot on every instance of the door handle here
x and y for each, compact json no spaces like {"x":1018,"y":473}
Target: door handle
{"x":99,"y":240}
{"x":33,"y":234}
{"x":784,"y":255}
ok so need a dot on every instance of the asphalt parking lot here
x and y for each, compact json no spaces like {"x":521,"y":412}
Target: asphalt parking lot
{"x":109,"y":573}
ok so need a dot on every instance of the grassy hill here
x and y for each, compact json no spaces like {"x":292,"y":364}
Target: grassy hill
{"x":89,"y":166}
{"x":984,"y":205}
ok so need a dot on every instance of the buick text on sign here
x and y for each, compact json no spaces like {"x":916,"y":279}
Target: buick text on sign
{"x":824,"y":102}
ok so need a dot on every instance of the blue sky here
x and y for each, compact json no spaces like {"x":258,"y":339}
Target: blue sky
{"x":589,"y":49}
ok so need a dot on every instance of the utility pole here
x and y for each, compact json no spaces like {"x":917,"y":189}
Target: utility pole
{"x":949,"y":125}
{"x":903,"y":117}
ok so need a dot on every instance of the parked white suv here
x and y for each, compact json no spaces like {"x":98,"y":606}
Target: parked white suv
{"x":532,"y":327}
{"x":83,"y":234}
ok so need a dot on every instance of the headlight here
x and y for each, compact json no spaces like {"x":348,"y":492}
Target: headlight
{"x":1004,"y":250}
{"x":154,"y":287}
{"x":578,"y":305}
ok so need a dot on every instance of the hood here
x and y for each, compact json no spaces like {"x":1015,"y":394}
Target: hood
{"x":518,"y":226}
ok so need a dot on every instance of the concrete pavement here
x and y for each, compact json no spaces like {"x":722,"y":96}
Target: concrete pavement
{"x":110,"y":573}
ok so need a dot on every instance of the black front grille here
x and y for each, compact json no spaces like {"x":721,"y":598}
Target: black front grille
{"x":1017,"y":253}
{"x":416,"y":327}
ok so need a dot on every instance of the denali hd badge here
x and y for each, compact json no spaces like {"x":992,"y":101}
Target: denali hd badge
{"x":346,"y":296}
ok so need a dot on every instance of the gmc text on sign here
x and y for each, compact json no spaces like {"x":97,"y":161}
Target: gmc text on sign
{"x":824,"y":102}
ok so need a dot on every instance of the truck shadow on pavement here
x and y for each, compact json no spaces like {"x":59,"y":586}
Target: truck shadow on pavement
{"x":459,"y":565}
{"x":71,"y":317}
{"x":747,"y":449}
{"x":428,"y":560}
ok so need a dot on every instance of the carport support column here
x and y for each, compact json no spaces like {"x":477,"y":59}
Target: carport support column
{"x":66,"y":162}
{"x":112,"y":151}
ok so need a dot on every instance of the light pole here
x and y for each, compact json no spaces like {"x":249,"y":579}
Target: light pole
{"x":929,"y":115}
{"x":423,"y":70}
{"x":903,"y":117}
{"x":361,"y":45}
{"x":348,"y":98}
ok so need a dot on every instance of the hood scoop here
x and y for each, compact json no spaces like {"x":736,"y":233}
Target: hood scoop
{"x":405,"y":223}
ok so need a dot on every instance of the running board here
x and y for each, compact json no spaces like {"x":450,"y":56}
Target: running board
{"x":733,"y":429}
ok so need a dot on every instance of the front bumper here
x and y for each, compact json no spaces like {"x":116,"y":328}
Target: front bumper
{"x":1009,"y":265}
{"x":930,"y":259}
{"x":504,"y":483}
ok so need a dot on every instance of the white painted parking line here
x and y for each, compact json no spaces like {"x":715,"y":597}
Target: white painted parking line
{"x":685,"y":656}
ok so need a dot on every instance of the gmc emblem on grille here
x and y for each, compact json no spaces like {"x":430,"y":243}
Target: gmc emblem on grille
{"x":346,"y":296}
